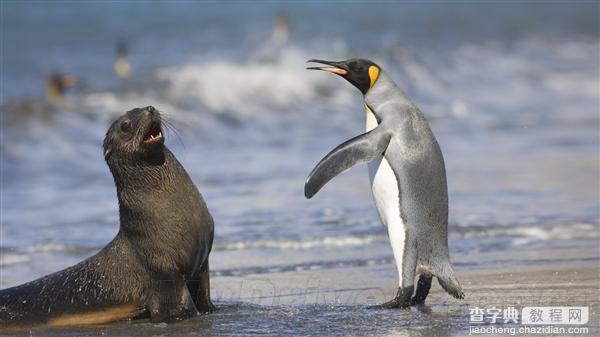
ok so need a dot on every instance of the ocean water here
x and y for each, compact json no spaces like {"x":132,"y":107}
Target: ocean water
{"x":511,"y":91}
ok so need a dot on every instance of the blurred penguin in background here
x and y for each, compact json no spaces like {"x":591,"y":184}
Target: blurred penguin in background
{"x":122,"y":67}
{"x":281,"y":29}
{"x":271,"y":49}
{"x":56,"y":86}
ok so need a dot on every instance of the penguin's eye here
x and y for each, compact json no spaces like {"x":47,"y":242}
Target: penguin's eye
{"x":126,"y":126}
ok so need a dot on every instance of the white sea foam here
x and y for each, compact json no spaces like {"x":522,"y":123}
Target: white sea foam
{"x":480,"y":84}
{"x":325,"y":242}
{"x":246,"y":87}
{"x":9,"y":259}
{"x":525,"y":233}
{"x":521,"y":234}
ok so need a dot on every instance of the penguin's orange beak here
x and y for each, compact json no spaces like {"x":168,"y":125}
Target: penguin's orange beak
{"x":334,"y":67}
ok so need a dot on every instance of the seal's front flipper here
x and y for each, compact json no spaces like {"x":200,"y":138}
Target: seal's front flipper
{"x":200,"y":290}
{"x":360,"y":149}
{"x":171,"y":301}
{"x":185,"y":308}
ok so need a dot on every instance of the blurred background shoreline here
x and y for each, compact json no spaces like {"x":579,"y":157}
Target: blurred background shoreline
{"x":511,"y":91}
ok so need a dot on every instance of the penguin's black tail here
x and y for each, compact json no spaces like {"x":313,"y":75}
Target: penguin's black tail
{"x":449,"y":282}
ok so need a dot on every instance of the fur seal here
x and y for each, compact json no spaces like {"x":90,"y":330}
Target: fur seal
{"x":408,"y":179}
{"x":156,"y":266}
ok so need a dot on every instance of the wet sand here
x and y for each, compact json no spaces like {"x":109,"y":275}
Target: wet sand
{"x":560,"y":284}
{"x":333,"y":301}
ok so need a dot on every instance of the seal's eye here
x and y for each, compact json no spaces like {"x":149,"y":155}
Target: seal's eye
{"x":125,"y":126}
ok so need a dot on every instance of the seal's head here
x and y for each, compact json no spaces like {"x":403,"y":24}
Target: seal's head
{"x":135,"y":136}
{"x":361,"y":73}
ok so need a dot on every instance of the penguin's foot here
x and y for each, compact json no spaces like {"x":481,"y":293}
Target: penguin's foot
{"x":401,"y":301}
{"x":423,"y":287}
{"x":416,"y":301}
{"x":393,"y":304}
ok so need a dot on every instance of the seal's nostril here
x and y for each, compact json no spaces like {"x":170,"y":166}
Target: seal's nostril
{"x":151,"y":109}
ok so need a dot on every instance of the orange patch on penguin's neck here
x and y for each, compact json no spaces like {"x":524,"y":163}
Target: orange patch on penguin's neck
{"x":373,"y":75}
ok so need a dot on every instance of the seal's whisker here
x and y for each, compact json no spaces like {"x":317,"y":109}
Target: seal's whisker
{"x":170,"y":126}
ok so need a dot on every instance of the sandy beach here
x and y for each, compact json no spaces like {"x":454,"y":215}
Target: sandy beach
{"x":334,"y":301}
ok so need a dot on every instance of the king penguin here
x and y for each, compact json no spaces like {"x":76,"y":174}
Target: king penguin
{"x":408,"y":180}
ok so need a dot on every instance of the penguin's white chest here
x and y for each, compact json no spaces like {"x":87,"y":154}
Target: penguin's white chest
{"x":383,"y":182}
{"x":385,"y":190}
{"x":387,"y":199}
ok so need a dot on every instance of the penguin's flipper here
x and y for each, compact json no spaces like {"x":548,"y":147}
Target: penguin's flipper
{"x":360,"y":149}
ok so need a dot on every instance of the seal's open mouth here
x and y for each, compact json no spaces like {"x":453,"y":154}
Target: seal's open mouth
{"x":153,"y":134}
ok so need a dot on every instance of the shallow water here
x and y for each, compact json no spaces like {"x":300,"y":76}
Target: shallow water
{"x":513,"y":102}
{"x":285,"y":321}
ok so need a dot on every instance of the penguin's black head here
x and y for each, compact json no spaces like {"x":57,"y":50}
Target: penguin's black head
{"x":360,"y":72}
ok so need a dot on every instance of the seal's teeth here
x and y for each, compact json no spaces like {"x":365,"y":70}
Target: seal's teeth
{"x":154,"y":137}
